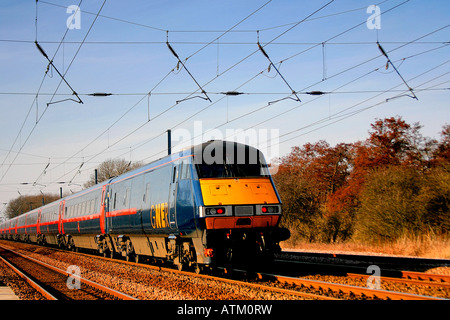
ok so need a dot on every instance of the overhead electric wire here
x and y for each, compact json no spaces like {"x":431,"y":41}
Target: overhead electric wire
{"x":285,"y":59}
{"x":329,"y":92}
{"x":244,"y":43}
{"x":276,"y":69}
{"x":142,"y":125}
{"x":252,"y":54}
{"x":50,"y":63}
{"x":207,"y":83}
{"x":187,"y":70}
{"x":330,"y":77}
{"x":35,"y":101}
{"x":164,"y":29}
{"x":348,"y":69}
{"x":39,"y":118}
{"x":342,"y":115}
{"x":284,"y":32}
{"x":76,"y":53}
{"x":393,"y":66}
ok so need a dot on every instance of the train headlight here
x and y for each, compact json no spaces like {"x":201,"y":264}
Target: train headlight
{"x":213,"y":211}
{"x":269,"y":209}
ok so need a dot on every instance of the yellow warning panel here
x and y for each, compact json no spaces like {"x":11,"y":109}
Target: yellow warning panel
{"x":237,"y":191}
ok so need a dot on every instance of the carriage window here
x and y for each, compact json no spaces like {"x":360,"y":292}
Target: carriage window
{"x":126,"y":199}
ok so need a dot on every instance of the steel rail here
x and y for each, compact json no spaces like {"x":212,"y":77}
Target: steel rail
{"x":90,"y":283}
{"x":32,"y":283}
{"x":439,"y":278}
{"x":402,"y":276}
{"x":405,"y":280}
{"x":349,"y":289}
{"x":208,"y":277}
{"x":259,"y":286}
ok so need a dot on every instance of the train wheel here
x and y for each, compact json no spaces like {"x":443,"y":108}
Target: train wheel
{"x":229,"y":255}
{"x":130,"y":254}
{"x":198,"y":268}
{"x":130,"y":257}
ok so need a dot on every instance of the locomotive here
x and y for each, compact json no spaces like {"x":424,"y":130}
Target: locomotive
{"x":211,"y":204}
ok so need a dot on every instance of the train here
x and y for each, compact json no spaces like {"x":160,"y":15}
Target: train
{"x":211,"y":204}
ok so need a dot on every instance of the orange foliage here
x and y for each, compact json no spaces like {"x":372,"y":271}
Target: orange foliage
{"x":332,"y":178}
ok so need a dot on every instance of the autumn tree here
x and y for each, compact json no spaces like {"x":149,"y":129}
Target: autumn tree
{"x":111,"y":168}
{"x":441,"y":154}
{"x":435,"y":195}
{"x":391,"y":143}
{"x":390,"y":205}
{"x":305,"y":178}
{"x":394,"y":183}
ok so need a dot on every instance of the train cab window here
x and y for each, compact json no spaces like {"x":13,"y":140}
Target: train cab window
{"x":228,"y":160}
{"x":185,"y":171}
{"x":232,"y":168}
{"x":174,"y":174}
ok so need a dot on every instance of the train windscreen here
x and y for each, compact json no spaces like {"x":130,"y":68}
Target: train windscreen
{"x":235,"y":163}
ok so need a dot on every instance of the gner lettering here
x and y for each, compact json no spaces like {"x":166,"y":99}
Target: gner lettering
{"x":159,"y":214}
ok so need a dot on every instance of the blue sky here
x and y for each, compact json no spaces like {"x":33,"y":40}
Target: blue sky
{"x":125,"y":53}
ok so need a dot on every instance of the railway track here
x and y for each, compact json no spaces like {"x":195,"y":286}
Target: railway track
{"x":291,"y":286}
{"x":57,"y":284}
{"x":163,"y":283}
{"x":351,"y":290}
{"x":27,"y":279}
{"x":295,"y":293}
{"x":411,"y":277}
{"x":424,"y":279}
{"x":392,"y":263}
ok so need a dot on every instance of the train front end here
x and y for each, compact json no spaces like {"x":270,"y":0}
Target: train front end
{"x":241,"y":208}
